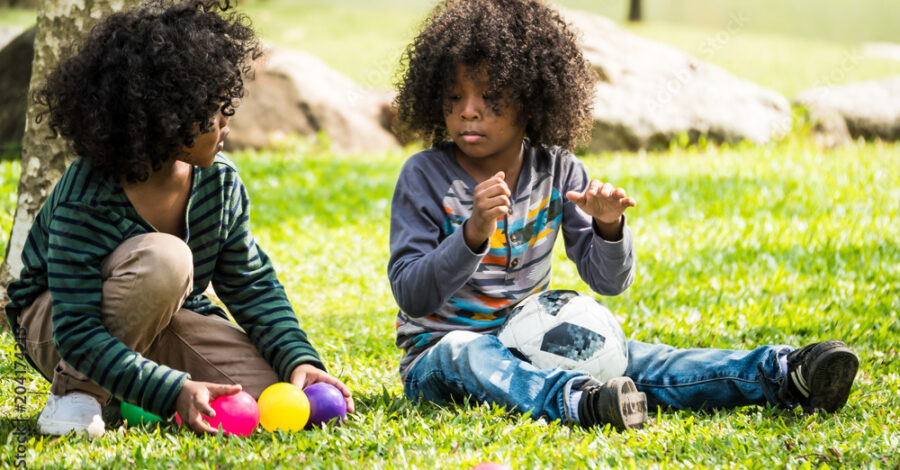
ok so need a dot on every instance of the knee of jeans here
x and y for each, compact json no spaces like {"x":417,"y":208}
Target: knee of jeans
{"x":455,"y":342}
{"x":167,"y":266}
{"x":463,"y":353}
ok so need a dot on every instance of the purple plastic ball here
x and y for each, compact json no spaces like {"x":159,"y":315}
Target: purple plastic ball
{"x":326,"y":402}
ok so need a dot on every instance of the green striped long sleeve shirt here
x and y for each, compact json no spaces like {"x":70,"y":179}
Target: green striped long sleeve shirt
{"x":87,"y":216}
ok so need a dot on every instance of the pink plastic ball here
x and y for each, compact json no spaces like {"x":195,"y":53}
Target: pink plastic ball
{"x":237,"y":414}
{"x":491,"y":466}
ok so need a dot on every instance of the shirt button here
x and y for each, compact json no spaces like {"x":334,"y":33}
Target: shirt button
{"x":514,"y":263}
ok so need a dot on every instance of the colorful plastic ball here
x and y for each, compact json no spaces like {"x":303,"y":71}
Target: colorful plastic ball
{"x":237,"y":414}
{"x":283,"y":406}
{"x":326,"y":403}
{"x":135,"y":415}
{"x":491,"y":466}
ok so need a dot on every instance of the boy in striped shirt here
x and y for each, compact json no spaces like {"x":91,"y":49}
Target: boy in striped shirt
{"x":500,"y":89}
{"x":110,"y":301}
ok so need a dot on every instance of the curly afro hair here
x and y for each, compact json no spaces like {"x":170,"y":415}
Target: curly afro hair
{"x":144,"y":81}
{"x":530,"y":56}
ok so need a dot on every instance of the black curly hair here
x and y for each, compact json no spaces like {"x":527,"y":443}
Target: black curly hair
{"x":530,"y":56}
{"x":144,"y":81}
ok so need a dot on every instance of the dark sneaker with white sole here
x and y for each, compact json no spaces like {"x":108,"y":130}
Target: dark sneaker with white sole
{"x":616,"y":402}
{"x":820,"y":375}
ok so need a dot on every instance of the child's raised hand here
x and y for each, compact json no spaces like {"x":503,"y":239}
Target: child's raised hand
{"x":491,"y":202}
{"x":193,"y":400}
{"x":602,"y":201}
{"x":305,"y":375}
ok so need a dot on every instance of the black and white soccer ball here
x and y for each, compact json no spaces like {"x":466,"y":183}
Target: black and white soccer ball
{"x":569,"y":330}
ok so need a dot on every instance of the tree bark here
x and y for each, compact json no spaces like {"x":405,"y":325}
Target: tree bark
{"x":59,"y":24}
{"x":634,"y":11}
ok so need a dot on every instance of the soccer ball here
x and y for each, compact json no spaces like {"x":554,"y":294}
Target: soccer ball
{"x":569,"y":330}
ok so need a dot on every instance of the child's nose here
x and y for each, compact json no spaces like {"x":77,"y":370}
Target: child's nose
{"x":471,"y":108}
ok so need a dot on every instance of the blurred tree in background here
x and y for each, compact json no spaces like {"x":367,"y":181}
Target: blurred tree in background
{"x":18,"y":3}
{"x":60,"y":23}
{"x":634,"y":10}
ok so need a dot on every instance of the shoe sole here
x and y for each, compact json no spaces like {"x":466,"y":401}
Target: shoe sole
{"x":831,"y":376}
{"x":627,"y":406}
{"x":60,"y":428}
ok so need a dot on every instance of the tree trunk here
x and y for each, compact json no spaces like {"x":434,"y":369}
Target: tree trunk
{"x":59,"y":24}
{"x":634,"y":11}
{"x":18,"y":3}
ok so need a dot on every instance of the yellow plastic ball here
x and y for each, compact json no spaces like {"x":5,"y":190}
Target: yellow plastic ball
{"x":283,"y":406}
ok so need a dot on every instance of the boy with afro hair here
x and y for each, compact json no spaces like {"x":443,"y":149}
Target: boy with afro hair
{"x":502,"y":92}
{"x":110,"y":302}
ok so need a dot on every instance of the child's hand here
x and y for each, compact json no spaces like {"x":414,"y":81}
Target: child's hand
{"x":491,"y":202}
{"x":193,"y":400}
{"x":603,"y":202}
{"x":305,"y":375}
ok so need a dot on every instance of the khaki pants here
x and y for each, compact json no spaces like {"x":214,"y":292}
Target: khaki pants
{"x":145,"y":282}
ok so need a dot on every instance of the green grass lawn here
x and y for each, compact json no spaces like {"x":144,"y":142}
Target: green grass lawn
{"x":736,"y":246}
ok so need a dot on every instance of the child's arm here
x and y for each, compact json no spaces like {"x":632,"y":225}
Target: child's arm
{"x":246,"y":282}
{"x":79,"y":238}
{"x":597,"y":236}
{"x":424,"y":270}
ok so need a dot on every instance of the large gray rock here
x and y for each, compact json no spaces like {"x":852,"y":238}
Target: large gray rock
{"x":870,"y":110}
{"x":881,"y":50}
{"x":15,"y":73}
{"x":295,"y":92}
{"x":649,"y":93}
{"x":8,"y":33}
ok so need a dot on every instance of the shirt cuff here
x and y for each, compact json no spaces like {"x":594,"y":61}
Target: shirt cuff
{"x":614,"y":249}
{"x":462,"y":248}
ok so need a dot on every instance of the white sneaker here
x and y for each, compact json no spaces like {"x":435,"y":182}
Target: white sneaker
{"x":75,"y":411}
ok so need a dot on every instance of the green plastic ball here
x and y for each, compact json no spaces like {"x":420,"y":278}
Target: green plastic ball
{"x":135,"y":415}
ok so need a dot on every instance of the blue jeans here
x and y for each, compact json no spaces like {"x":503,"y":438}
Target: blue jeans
{"x":467,"y":364}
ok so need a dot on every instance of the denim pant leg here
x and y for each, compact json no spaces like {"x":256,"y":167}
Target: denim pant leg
{"x":464,"y":363}
{"x":707,"y":378}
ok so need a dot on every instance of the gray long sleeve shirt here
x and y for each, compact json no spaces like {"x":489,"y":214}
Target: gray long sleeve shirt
{"x":442,"y":286}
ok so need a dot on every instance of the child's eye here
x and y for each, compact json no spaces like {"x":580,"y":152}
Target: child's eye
{"x":455,"y":97}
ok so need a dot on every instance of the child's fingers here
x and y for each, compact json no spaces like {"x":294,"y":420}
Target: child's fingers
{"x":628,"y":202}
{"x":350,"y":406}
{"x":340,"y":386}
{"x":575,"y":196}
{"x":492,"y":181}
{"x":593,"y":188}
{"x":606,"y":190}
{"x":496,"y":201}
{"x":218,"y":390}
{"x":348,"y":396}
{"x":496,"y":212}
{"x":200,"y":425}
{"x":334,"y":381}
{"x":205,"y":409}
{"x":492,"y":190}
